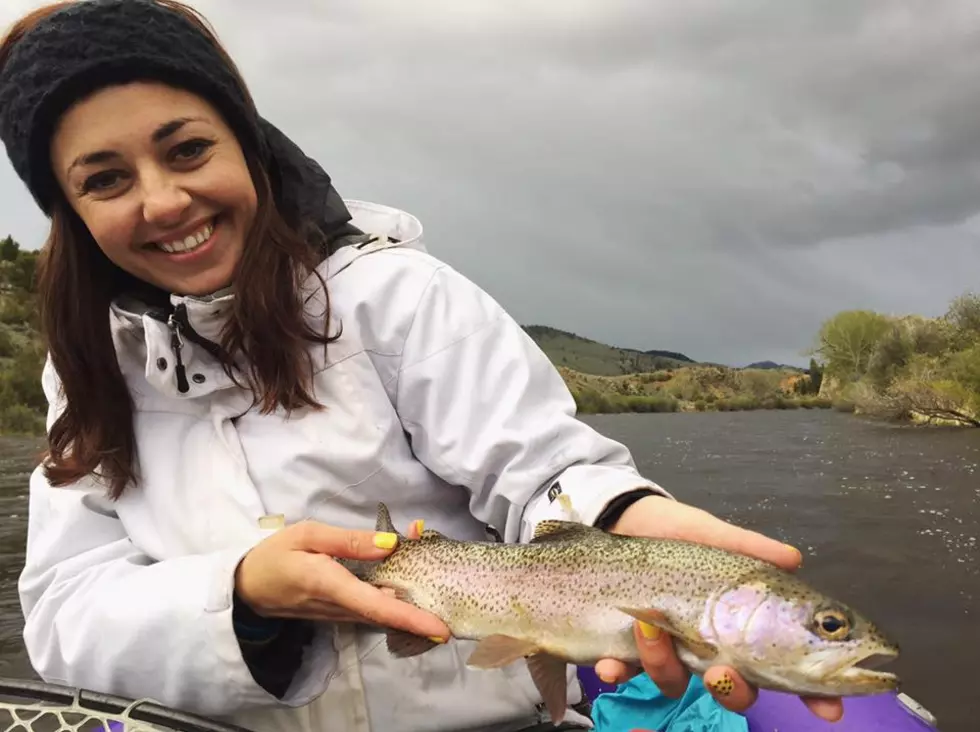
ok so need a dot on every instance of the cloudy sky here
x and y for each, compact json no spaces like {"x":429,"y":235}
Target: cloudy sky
{"x":709,"y":176}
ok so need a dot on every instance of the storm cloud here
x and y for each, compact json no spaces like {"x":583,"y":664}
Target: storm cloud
{"x":714,"y":177}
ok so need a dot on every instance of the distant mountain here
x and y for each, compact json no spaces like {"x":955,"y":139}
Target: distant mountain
{"x":772,"y":365}
{"x":671,"y":354}
{"x":592,"y":357}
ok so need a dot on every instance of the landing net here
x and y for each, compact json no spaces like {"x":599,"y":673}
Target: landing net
{"x":34,"y":706}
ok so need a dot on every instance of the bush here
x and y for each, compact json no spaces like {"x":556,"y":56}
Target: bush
{"x":18,"y":419}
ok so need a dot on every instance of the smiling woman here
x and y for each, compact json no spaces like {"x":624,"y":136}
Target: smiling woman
{"x":241,"y":366}
{"x":169,"y":198}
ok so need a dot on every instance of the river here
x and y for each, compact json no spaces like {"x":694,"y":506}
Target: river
{"x":887,"y":517}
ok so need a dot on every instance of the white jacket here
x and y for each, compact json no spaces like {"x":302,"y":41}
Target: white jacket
{"x":437,"y":403}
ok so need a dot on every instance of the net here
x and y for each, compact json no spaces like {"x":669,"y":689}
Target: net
{"x":35,"y":706}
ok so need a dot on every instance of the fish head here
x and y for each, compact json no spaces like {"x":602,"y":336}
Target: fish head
{"x":782,"y":634}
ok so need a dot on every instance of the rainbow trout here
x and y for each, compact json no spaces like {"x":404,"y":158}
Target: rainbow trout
{"x":570,"y":596}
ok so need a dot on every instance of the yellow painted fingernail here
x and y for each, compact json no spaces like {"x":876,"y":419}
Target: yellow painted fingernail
{"x":797,"y":552}
{"x":437,"y":639}
{"x":272,"y":522}
{"x":724,"y":685}
{"x":650,"y":632}
{"x":385,"y":540}
{"x":420,"y":526}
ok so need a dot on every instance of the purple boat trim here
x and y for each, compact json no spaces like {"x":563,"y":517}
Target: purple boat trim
{"x":778,"y":712}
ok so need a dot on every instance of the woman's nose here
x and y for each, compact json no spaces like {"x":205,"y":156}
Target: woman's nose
{"x":164,"y":200}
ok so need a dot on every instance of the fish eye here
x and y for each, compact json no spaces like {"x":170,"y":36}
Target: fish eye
{"x":832,"y":624}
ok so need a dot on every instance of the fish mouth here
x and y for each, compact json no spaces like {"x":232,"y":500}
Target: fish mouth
{"x":863,"y":672}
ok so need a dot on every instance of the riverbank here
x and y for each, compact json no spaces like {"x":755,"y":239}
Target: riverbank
{"x":693,"y":389}
{"x":907,"y":368}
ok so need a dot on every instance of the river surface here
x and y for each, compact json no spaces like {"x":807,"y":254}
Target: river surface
{"x":887,"y":517}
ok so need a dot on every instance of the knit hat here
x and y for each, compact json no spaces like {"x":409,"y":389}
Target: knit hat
{"x":96,"y":43}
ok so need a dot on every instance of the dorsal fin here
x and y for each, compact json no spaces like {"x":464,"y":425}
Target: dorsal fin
{"x":555,"y":530}
{"x":384,"y":522}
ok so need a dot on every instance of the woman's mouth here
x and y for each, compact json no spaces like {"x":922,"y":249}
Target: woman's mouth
{"x":189,"y":243}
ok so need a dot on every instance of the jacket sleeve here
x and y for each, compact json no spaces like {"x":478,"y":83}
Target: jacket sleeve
{"x":100,"y":614}
{"x":486,"y":409}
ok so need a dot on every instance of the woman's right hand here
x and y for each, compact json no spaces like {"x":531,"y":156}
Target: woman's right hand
{"x":292,"y":574}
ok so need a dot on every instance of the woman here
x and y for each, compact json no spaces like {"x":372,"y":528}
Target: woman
{"x":240,"y":367}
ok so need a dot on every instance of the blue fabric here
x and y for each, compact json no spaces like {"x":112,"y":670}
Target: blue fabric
{"x":639,"y":705}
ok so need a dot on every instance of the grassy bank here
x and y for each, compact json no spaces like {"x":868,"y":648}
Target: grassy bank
{"x":905,"y":368}
{"x":693,"y":389}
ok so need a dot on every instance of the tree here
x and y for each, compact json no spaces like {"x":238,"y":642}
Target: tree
{"x":847,"y":341}
{"x":816,"y":376}
{"x":964,"y":314}
{"x":9,"y":249}
{"x":23,"y":271}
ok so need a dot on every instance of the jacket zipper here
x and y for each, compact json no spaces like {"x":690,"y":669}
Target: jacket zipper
{"x":177,"y":343}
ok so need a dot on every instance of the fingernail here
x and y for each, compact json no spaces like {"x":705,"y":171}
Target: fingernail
{"x":724,"y":685}
{"x":650,"y":632}
{"x":606,"y":679}
{"x":797,"y":552}
{"x":420,"y":526}
{"x":385,"y":540}
{"x":437,"y":639}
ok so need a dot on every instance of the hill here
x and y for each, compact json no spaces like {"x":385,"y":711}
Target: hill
{"x":592,"y":357}
{"x":605,"y":378}
{"x":22,"y":401}
{"x":768,"y":365}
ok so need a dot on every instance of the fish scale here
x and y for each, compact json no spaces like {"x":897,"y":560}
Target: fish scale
{"x":572,"y":594}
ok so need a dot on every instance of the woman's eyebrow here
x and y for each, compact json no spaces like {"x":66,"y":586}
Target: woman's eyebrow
{"x":159,"y":134}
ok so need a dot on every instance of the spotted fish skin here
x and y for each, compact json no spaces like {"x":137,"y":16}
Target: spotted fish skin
{"x":572,"y":594}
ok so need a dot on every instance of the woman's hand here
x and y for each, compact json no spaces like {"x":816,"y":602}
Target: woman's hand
{"x":662,"y":518}
{"x":292,"y":574}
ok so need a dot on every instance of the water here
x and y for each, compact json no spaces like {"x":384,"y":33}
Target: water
{"x":888,"y":518}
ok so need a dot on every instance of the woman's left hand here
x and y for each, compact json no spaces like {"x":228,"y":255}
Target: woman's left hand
{"x":662,"y":518}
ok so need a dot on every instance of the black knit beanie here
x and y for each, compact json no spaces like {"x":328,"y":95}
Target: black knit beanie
{"x":96,"y":43}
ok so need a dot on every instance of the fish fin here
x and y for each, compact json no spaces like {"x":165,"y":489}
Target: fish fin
{"x":700,"y":648}
{"x":432,"y":534}
{"x":403,"y":594}
{"x":499,"y":650}
{"x":384,"y":522}
{"x":548,"y":674}
{"x":405,"y":645}
{"x":555,"y":530}
{"x":360,"y":568}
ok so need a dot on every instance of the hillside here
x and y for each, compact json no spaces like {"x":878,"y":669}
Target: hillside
{"x":22,"y":401}
{"x":605,"y":378}
{"x":591,"y":357}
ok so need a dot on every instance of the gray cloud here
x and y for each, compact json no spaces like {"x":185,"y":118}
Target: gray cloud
{"x":712,"y":176}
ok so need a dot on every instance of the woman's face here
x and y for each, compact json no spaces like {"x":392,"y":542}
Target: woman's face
{"x":160,"y":181}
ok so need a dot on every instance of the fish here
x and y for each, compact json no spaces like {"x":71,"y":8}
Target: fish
{"x":572,"y":593}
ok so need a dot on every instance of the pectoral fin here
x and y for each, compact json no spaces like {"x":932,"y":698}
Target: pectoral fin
{"x":699,"y":647}
{"x":496,"y":651}
{"x":548,"y":674}
{"x":405,"y":645}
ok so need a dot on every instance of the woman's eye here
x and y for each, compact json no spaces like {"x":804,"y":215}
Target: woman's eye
{"x":101,"y":181}
{"x":190,"y":150}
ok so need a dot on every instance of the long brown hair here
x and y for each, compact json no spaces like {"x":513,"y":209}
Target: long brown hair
{"x":77,"y":282}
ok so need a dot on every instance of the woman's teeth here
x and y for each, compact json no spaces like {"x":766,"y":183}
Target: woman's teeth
{"x":188,"y":243}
